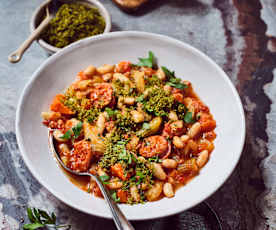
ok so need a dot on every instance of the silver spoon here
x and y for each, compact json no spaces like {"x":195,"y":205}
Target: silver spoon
{"x":51,"y":11}
{"x":119,"y":218}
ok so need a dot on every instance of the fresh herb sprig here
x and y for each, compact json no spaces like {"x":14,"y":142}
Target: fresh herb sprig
{"x":74,"y":133}
{"x":172,"y":80}
{"x":40,"y":218}
{"x":147,"y":62}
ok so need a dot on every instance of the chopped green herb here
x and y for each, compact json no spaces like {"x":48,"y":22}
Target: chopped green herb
{"x":140,"y":98}
{"x":114,"y":196}
{"x":172,"y":80}
{"x":111,"y":113}
{"x":177,"y":85}
{"x":104,"y":179}
{"x":148,"y":62}
{"x":168,"y":73}
{"x":188,"y":118}
{"x":77,"y":130}
{"x":67,"y":135}
{"x":155,"y":159}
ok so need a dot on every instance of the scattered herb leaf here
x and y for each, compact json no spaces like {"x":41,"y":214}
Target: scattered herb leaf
{"x":188,"y":118}
{"x":104,"y":179}
{"x":67,"y":135}
{"x":148,"y":62}
{"x":77,"y":130}
{"x":40,"y":218}
{"x":114,"y":196}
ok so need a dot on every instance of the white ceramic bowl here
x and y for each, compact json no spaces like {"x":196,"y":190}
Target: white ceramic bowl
{"x":209,"y":81}
{"x":40,"y":12}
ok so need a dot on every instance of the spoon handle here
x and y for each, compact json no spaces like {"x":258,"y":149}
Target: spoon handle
{"x":119,"y":218}
{"x":17,"y":55}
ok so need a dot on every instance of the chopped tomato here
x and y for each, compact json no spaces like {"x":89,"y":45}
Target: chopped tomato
{"x":207,"y":122}
{"x":123,"y":195}
{"x":123,"y":67}
{"x":117,"y":170}
{"x":81,"y":156}
{"x":210,"y":135}
{"x":175,"y":128}
{"x":58,"y":106}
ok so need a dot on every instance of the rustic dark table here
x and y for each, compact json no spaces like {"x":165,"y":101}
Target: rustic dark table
{"x":237,"y":34}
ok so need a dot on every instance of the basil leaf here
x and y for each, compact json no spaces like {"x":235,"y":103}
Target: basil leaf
{"x":67,"y":135}
{"x":77,"y":129}
{"x":33,"y":226}
{"x":148,"y":62}
{"x":188,"y":118}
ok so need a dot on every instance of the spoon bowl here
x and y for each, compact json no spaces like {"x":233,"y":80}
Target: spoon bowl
{"x":119,"y":218}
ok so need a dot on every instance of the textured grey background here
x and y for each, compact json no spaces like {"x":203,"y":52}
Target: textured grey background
{"x":235,"y":33}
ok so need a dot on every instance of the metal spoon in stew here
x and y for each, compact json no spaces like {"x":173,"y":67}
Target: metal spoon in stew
{"x":119,"y":218}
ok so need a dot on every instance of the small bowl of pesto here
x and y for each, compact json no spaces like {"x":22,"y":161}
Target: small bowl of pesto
{"x":74,"y":21}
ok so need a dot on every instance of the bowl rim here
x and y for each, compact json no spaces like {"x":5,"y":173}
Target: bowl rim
{"x":103,"y":11}
{"x":148,"y":35}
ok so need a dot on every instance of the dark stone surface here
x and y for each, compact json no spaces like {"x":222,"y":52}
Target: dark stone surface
{"x":237,"y":34}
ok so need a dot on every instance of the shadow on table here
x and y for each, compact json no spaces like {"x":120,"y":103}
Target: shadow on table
{"x":200,"y":217}
{"x":155,"y":4}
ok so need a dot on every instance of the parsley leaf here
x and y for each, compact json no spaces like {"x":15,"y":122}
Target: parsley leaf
{"x":67,"y":135}
{"x":110,"y":112}
{"x":140,"y":98}
{"x":168,"y":73}
{"x":177,"y":85}
{"x":188,"y":118}
{"x":104,"y":179}
{"x":75,"y":133}
{"x":148,"y":62}
{"x":114,"y":196}
{"x":173,"y":81}
{"x":40,"y":218}
{"x":77,"y":130}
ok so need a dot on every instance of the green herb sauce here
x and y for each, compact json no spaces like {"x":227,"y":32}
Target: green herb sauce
{"x":73,"y":22}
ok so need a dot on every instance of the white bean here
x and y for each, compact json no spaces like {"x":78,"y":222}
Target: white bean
{"x":134,"y":193}
{"x":160,"y":74}
{"x":202,"y":158}
{"x":64,"y":149}
{"x":194,"y":130}
{"x":168,"y":190}
{"x":50,"y":115}
{"x":177,"y":142}
{"x":100,"y":124}
{"x":137,"y":116}
{"x":167,"y":88}
{"x":57,"y":135}
{"x":84,"y":84}
{"x":107,"y":76}
{"x":173,"y":116}
{"x":90,"y":70}
{"x":105,"y":69}
{"x":120,"y":77}
{"x":184,"y":138}
{"x":129,"y":100}
{"x":114,"y":184}
{"x":154,"y":192}
{"x":158,"y":171}
{"x":169,"y":163}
